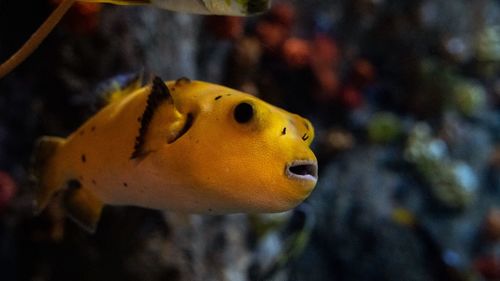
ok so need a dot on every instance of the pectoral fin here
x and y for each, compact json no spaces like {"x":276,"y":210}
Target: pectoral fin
{"x":82,"y":206}
{"x":118,"y":88}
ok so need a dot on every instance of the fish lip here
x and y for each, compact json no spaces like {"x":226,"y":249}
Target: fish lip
{"x":303,"y":170}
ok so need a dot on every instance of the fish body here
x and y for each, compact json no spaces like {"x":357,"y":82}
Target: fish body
{"x":185,"y":146}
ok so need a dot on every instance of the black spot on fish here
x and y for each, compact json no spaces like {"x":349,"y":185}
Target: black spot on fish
{"x":94,"y":182}
{"x":125,"y":184}
{"x":139,"y":119}
{"x":84,"y":159}
{"x":92,"y":129}
{"x":305,"y":137}
{"x":74,"y":184}
{"x":228,"y":95}
{"x":284,"y":131}
{"x":218,"y":97}
{"x":210,"y":209}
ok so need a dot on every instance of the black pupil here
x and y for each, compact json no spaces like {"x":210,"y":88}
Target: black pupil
{"x":243,"y":112}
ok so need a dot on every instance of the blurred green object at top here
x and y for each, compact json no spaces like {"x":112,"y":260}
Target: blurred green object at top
{"x":384,"y":127}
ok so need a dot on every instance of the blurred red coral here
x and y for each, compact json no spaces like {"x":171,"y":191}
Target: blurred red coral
{"x":7,"y":189}
{"x":363,"y":73}
{"x":283,"y":13}
{"x":325,"y":51}
{"x":492,"y":224}
{"x":325,"y":60}
{"x":296,"y":52}
{"x":351,"y":97}
{"x":275,"y":27}
{"x":488,"y":266}
{"x":83,"y":17}
{"x":271,"y":35}
{"x":329,"y":85}
{"x":225,"y":27}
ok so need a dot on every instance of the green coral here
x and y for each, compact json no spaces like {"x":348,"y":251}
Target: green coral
{"x":451,"y":182}
{"x":469,"y":97}
{"x":488,"y":44}
{"x":384,"y":127}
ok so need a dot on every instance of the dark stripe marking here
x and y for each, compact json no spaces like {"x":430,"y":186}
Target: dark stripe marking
{"x":284,"y":131}
{"x":84,"y":159}
{"x":74,"y":184}
{"x":218,"y":97}
{"x":305,"y":137}
{"x":159,"y":93}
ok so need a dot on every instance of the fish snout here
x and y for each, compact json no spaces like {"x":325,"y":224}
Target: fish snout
{"x":302,"y":128}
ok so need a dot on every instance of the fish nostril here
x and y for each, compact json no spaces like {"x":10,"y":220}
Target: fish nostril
{"x":306,"y":124}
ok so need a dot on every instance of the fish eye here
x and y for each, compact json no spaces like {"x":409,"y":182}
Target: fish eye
{"x":243,"y":112}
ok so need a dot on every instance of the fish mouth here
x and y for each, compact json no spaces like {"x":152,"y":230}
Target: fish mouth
{"x":305,"y":170}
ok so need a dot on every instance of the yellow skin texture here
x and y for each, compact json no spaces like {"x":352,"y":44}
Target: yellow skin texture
{"x":218,"y":166}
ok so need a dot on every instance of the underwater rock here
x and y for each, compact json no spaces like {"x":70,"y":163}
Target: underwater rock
{"x":488,"y":44}
{"x":464,"y":136}
{"x":452,"y":183}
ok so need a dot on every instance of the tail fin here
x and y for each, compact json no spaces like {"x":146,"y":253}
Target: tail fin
{"x":47,"y":180}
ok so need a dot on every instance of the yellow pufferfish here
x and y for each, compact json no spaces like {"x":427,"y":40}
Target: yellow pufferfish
{"x":186,"y":146}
